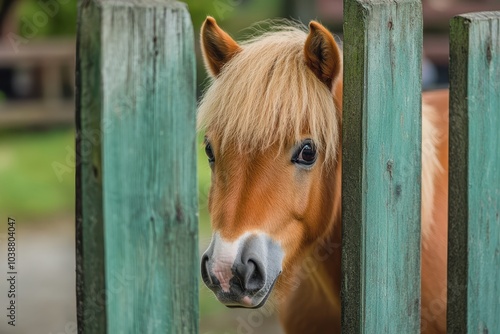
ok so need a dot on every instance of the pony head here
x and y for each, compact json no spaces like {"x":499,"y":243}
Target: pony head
{"x":272,"y":120}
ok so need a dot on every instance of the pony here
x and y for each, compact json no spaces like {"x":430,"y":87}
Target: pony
{"x":272,"y":117}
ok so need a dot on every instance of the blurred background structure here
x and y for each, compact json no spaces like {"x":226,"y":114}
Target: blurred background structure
{"x":37,"y":59}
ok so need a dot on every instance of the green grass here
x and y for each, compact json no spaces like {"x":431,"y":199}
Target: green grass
{"x":29,"y":186}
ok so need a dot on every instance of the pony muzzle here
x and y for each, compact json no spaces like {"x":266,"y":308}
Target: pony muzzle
{"x":242,"y":273}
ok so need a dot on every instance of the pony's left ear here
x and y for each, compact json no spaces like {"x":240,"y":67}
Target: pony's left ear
{"x":322,"y":54}
{"x":217,"y":46}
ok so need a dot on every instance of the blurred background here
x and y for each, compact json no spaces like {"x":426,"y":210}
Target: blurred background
{"x":37,"y":59}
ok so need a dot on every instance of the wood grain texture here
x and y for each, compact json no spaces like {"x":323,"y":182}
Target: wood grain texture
{"x":137,"y":241}
{"x":381,"y":166}
{"x":90,"y":279}
{"x":474,"y":200}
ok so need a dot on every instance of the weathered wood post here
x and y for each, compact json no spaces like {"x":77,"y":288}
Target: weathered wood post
{"x":137,"y":244}
{"x":381,"y":166}
{"x":474,"y":198}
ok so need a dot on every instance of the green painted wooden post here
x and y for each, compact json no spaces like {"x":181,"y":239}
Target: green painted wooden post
{"x":381,"y":166}
{"x":137,"y":243}
{"x":474,"y":200}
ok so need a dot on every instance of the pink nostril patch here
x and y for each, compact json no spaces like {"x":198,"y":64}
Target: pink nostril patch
{"x":224,"y":254}
{"x":222,"y":272}
{"x":246,"y":301}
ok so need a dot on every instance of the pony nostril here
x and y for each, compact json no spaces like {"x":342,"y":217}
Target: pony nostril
{"x":205,"y":271}
{"x":256,"y":280}
{"x":252,"y":276}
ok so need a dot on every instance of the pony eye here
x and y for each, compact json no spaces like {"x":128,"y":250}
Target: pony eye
{"x":306,"y":154}
{"x":210,"y":153}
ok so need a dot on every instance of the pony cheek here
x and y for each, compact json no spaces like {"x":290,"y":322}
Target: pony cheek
{"x":215,"y":209}
{"x":210,"y":199}
{"x":302,"y":193}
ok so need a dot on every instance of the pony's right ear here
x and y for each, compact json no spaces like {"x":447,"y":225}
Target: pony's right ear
{"x":217,"y":46}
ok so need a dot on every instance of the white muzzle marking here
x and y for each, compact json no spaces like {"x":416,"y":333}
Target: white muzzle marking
{"x":224,"y":254}
{"x":255,"y":261}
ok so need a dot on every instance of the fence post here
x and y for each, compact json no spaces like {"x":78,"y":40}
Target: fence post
{"x":137,"y":243}
{"x":474,"y":199}
{"x":381,"y":166}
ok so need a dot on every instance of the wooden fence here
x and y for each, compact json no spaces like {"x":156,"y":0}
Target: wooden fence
{"x":381,"y":190}
{"x":137,"y":225}
{"x":474,"y":199}
{"x":137,"y":257}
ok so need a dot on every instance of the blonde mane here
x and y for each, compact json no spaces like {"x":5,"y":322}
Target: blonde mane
{"x":266,"y":95}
